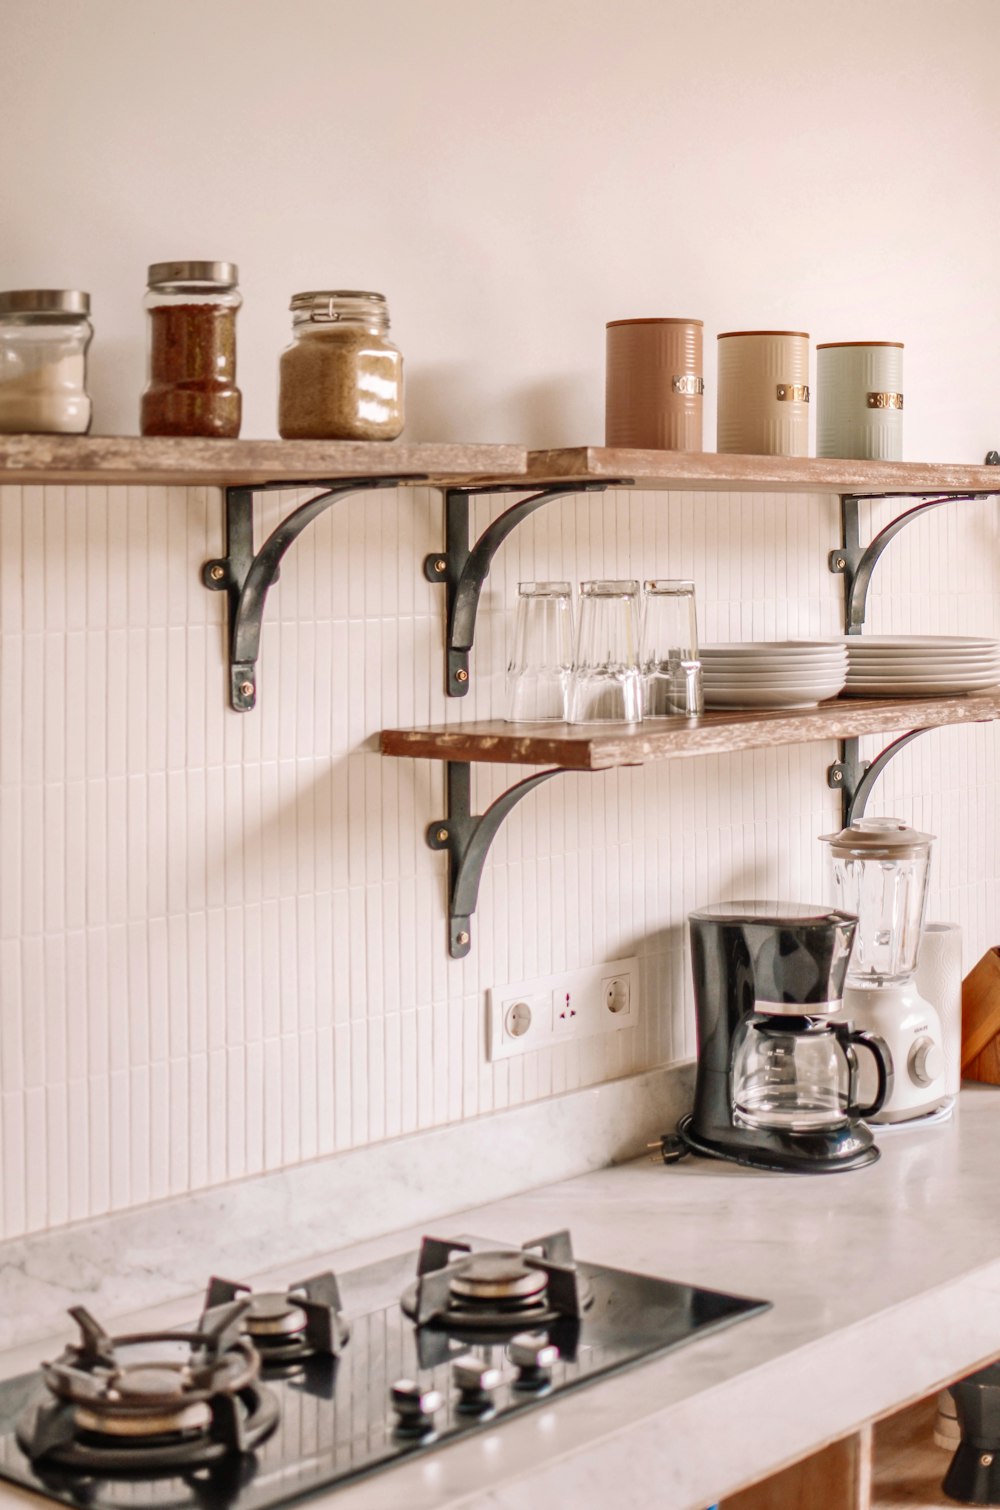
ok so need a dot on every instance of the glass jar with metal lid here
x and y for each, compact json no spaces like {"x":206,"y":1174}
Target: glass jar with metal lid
{"x":341,"y":378}
{"x":44,"y":336}
{"x":191,"y":373}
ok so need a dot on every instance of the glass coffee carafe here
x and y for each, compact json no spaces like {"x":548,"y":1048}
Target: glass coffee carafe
{"x":801,"y":1073}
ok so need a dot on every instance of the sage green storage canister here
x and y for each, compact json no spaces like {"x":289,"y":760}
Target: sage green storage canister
{"x":764,"y":393}
{"x":859,"y":399}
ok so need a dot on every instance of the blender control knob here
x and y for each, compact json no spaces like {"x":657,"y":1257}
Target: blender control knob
{"x":926,"y":1061}
{"x":415,"y":1408}
{"x":533,"y":1355}
{"x":475,"y":1382}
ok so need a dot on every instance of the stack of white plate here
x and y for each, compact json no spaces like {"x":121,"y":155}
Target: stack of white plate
{"x":773,"y":673}
{"x":909,"y":665}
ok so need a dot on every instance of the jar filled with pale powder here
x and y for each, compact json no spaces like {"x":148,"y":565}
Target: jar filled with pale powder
{"x":341,"y":378}
{"x":44,"y":335}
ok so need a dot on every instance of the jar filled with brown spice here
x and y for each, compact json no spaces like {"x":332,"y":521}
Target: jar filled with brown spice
{"x":191,"y":374}
{"x":341,"y":378}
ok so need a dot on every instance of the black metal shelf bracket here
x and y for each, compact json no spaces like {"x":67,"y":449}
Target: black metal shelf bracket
{"x":463,"y":568}
{"x":247,"y":578}
{"x":856,"y":562}
{"x":467,"y":838}
{"x":854,"y":778}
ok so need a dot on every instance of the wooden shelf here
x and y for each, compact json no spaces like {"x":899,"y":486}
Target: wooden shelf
{"x":707,"y":471}
{"x":124,"y":459}
{"x":589,"y":747}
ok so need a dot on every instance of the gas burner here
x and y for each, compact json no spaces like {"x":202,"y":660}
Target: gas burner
{"x":151,"y":1402}
{"x":493,"y":1292}
{"x":289,"y":1327}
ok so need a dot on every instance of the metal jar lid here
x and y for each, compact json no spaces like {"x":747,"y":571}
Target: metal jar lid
{"x":878,"y":839}
{"x":44,"y":301}
{"x":322,"y":303}
{"x":222,"y":274}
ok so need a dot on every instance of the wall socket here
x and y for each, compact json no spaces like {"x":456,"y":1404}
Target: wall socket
{"x":535,"y":1014}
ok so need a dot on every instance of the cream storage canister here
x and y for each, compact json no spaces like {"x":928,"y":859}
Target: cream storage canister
{"x":654,"y":385}
{"x":859,"y":399}
{"x":764,"y":393}
{"x":341,"y":378}
{"x":44,"y":335}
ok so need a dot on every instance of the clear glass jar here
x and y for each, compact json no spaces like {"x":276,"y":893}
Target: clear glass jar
{"x":341,"y":378}
{"x":191,"y":371}
{"x":44,"y":335}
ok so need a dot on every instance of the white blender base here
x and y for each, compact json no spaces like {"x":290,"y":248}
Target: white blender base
{"x":911,"y":1028}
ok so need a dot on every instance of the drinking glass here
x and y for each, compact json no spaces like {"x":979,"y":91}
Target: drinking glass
{"x":606,"y":686}
{"x":542,"y":658}
{"x":671,"y":670}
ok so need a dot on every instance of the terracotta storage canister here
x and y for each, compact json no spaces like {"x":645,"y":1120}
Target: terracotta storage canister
{"x":654,"y":385}
{"x":859,"y":399}
{"x":764,"y":393}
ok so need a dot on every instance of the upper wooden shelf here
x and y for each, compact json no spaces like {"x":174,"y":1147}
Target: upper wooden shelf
{"x":233,"y":463}
{"x":593,"y":747}
{"x":709,"y":472}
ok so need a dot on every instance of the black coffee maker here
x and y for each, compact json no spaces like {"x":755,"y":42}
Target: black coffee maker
{"x":973,"y":1477}
{"x":777,"y":1080}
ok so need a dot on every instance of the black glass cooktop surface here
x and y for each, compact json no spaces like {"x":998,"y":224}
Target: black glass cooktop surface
{"x":336,"y":1418}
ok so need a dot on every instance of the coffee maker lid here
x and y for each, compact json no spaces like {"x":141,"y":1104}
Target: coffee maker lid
{"x":795,"y":914}
{"x":878,"y":839}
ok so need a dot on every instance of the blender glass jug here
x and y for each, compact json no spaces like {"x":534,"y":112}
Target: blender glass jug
{"x":880,"y":869}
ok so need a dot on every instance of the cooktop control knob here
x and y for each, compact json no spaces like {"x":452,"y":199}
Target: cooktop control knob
{"x":475,"y":1382}
{"x":533,"y":1355}
{"x":926,"y":1061}
{"x":415,"y":1408}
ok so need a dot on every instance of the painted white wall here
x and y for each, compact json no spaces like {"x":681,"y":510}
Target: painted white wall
{"x":222,"y":939}
{"x":512,"y":174}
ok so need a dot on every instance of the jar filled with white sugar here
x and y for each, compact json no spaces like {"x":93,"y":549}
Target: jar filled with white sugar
{"x":341,"y":378}
{"x":44,"y":335}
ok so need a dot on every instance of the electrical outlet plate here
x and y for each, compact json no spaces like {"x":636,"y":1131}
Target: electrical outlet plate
{"x":535,"y":1014}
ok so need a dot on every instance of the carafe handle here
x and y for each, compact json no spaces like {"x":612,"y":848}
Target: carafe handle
{"x":883,"y":1066}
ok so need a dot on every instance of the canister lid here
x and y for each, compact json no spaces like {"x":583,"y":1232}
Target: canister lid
{"x":829,"y":345}
{"x":223,"y":274}
{"x":654,"y":320}
{"x":321,"y":300}
{"x":44,"y":301}
{"x":725,"y":334}
{"x":878,"y":839}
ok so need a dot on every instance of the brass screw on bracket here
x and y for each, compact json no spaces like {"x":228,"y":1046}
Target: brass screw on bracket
{"x":462,"y":938}
{"x":217,"y":573}
{"x":841,"y":564}
{"x":246,"y":688}
{"x":461,"y":676}
{"x":836,"y":776}
{"x":440,"y":566}
{"x":441,"y":835}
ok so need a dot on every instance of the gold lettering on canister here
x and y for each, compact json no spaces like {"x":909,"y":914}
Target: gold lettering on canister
{"x":885,"y":401}
{"x":797,"y":393}
{"x":688,"y":383}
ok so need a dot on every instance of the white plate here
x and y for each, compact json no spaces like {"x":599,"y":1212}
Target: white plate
{"x":922,"y":657}
{"x":925,"y":668}
{"x":919,"y":642}
{"x":761,"y":699}
{"x":896,"y":688}
{"x":770,"y":647}
{"x":792,"y":683}
{"x":773,"y":668}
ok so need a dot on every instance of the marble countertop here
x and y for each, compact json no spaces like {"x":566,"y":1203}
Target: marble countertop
{"x":885,"y":1283}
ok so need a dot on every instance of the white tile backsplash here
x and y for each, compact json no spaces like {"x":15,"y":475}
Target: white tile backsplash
{"x":222,"y":938}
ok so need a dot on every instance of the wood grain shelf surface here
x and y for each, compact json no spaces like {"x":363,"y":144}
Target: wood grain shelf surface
{"x":707,"y":471}
{"x":184,"y":461}
{"x":589,"y":747}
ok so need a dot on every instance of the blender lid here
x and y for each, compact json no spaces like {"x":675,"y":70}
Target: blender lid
{"x":793,"y":913}
{"x":878,"y":839}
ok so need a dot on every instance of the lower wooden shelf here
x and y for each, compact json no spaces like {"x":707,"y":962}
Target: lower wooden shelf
{"x":594,"y":747}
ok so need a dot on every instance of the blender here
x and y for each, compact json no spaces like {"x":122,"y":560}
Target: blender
{"x":778,"y":1083}
{"x":880,"y":872}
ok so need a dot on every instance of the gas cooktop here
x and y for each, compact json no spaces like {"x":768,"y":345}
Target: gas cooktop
{"x":271,"y":1397}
